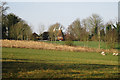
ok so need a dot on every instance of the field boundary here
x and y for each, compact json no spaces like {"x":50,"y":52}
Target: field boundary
{"x":50,"y":46}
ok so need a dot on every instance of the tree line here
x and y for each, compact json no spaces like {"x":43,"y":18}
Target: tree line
{"x":14,"y":27}
{"x":91,"y":28}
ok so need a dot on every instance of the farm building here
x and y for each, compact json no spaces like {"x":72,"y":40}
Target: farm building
{"x":60,"y":35}
{"x":35,"y":36}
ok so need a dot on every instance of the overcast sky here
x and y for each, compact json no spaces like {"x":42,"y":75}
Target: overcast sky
{"x":47,"y":13}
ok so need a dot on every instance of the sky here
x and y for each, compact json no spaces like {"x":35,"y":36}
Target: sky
{"x":48,"y":13}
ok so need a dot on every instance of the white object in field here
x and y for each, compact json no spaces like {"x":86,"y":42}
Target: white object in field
{"x":116,"y":54}
{"x":103,"y":53}
{"x":113,"y":53}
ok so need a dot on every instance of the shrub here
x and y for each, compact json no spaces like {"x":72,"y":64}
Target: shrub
{"x":69,"y":43}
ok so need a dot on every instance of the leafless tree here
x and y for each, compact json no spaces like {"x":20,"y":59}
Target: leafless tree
{"x":96,"y":23}
{"x":53,"y":31}
{"x":41,"y":29}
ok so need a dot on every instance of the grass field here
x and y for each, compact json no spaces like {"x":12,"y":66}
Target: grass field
{"x":35,"y":63}
{"x":91,"y":44}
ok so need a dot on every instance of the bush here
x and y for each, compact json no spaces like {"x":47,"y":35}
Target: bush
{"x":69,"y":43}
{"x":111,"y":45}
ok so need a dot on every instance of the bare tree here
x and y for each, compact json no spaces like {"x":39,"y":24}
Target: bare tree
{"x":3,"y":8}
{"x":41,"y":29}
{"x":76,"y":30}
{"x":96,"y":24}
{"x":86,"y":30}
{"x":53,"y":31}
{"x":3,"y":19}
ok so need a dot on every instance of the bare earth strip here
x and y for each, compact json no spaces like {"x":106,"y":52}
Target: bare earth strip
{"x":50,"y":46}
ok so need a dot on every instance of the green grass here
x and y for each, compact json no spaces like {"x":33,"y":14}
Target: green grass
{"x":91,"y":44}
{"x":33,"y":63}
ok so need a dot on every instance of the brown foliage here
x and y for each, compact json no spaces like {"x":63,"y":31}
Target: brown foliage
{"x":48,"y":46}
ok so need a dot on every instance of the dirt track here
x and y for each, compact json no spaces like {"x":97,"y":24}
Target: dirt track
{"x":49,"y":46}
